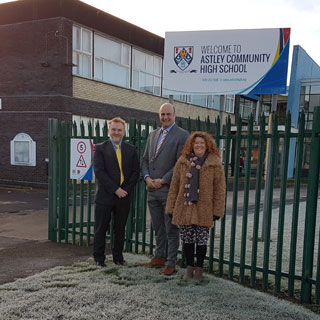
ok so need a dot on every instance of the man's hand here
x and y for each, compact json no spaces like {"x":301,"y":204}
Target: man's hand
{"x":154,"y":183}
{"x":150,"y":183}
{"x":120,"y":193}
{"x":158,"y":183}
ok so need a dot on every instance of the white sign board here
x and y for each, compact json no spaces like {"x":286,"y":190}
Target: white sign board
{"x":226,"y":62}
{"x":81,"y":159}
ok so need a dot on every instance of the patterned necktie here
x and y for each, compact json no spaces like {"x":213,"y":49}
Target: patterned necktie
{"x":119,"y":157}
{"x":164,"y":134}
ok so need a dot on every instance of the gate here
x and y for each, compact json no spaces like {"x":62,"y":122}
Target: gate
{"x":270,"y":233}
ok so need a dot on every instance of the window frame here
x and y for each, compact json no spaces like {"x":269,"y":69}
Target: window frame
{"x":79,"y":54}
{"x":121,"y":64}
{"x":136,"y":70}
{"x":226,"y":104}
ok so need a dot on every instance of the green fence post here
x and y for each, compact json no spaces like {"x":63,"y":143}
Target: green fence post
{"x":198,"y":124}
{"x":246,"y":201}
{"x":151,"y":229}
{"x":284,"y":177}
{"x":311,"y":210}
{"x":67,"y":180}
{"x":235,"y":197}
{"x":208,"y":125}
{"x":130,"y":228}
{"x":262,"y":143}
{"x":105,"y":132}
{"x":52,"y":179}
{"x":81,"y":196}
{"x":226,"y":168}
{"x":266,"y":234}
{"x":143,"y":198}
{"x":296,"y":201}
{"x":137,"y":204}
{"x":89,"y":190}
{"x":74,"y":194}
{"x":217,"y":133}
{"x":189,"y":124}
{"x":62,"y":178}
{"x":213,"y":230}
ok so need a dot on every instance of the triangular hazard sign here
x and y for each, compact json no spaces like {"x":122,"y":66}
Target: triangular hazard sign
{"x":81,"y":163}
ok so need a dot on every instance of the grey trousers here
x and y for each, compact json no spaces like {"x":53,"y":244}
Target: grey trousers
{"x":166,"y":233}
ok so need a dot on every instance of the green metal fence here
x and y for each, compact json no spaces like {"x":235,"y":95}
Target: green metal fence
{"x":266,"y":238}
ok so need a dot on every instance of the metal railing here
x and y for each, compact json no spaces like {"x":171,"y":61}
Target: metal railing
{"x":265,"y":237}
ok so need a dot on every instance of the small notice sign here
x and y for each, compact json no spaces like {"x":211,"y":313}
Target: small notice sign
{"x":81,"y":162}
{"x":81,"y":159}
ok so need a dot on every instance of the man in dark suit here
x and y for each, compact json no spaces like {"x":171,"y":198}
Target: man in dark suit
{"x":116,"y":167}
{"x":163,"y":149}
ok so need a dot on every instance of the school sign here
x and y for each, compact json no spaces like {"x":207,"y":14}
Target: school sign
{"x":226,"y":62}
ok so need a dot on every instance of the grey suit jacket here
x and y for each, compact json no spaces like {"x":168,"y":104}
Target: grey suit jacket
{"x":163,"y":164}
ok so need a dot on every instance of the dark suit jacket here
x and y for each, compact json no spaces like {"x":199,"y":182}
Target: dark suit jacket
{"x":107,"y":170}
{"x":162,"y":165}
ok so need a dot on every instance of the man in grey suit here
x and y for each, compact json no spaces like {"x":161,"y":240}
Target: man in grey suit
{"x":163,"y":149}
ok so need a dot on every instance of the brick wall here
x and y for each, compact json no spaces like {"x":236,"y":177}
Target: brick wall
{"x":35,"y":124}
{"x":33,"y":59}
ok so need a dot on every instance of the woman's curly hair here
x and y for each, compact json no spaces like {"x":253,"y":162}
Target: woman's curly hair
{"x":210,"y":143}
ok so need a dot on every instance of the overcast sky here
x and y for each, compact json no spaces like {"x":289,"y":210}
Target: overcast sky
{"x":302,"y":16}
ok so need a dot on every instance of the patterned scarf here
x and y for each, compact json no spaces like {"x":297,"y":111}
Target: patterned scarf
{"x":192,"y":187}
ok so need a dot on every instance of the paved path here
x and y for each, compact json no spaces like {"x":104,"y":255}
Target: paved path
{"x":24,"y":246}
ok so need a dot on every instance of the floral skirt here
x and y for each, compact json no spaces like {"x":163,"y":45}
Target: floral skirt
{"x":194,"y":234}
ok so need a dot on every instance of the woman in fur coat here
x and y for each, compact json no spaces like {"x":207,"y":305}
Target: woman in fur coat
{"x":197,"y":197}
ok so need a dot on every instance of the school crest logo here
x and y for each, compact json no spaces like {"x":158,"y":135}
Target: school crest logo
{"x":183,"y":57}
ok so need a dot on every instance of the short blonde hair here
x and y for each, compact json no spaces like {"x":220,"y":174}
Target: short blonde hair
{"x":117,"y":119}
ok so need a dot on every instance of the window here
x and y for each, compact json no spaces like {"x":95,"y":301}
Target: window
{"x":213,"y":102}
{"x":229,"y":103}
{"x":309,"y":99}
{"x":82,"y":52}
{"x":146,"y":72}
{"x":209,"y":101}
{"x":200,"y":100}
{"x":23,"y":150}
{"x":181,"y":97}
{"x":112,"y":61}
{"x":247,"y":107}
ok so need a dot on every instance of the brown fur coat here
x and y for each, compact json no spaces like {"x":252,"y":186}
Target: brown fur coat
{"x":211,"y":196}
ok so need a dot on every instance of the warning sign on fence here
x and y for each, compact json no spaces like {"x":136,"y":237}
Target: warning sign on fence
{"x":81,"y":159}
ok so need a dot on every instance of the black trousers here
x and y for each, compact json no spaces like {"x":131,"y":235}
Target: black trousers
{"x":119,"y":212}
{"x":188,"y":249}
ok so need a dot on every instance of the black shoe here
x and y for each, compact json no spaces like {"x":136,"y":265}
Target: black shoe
{"x":101,"y":264}
{"x":119,"y":263}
